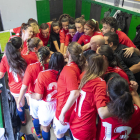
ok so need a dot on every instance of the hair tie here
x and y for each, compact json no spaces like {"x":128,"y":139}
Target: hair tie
{"x":80,"y":54}
{"x":94,"y":21}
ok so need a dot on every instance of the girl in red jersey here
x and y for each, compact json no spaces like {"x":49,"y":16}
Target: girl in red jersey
{"x":26,"y":32}
{"x":91,"y":28}
{"x":35,"y":29}
{"x":15,"y":64}
{"x":54,"y":37}
{"x":125,"y":120}
{"x":69,"y":36}
{"x":92,"y":98}
{"x":34,"y":44}
{"x":79,"y":24}
{"x":68,"y":87}
{"x":64,"y":21}
{"x":29,"y":82}
{"x":44,"y":33}
{"x":46,"y":91}
{"x":111,"y":61}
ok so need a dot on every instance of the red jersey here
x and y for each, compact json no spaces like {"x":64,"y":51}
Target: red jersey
{"x":119,"y":71}
{"x":17,"y":30}
{"x":15,"y":81}
{"x":31,"y":75}
{"x":124,"y":39}
{"x":84,"y":39}
{"x":68,"y":39}
{"x":44,"y":40}
{"x":24,"y":50}
{"x":113,"y":129}
{"x":62,"y":35}
{"x":83,"y":119}
{"x":68,"y":81}
{"x":47,"y":85}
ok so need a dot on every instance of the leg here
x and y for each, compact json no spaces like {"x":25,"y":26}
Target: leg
{"x":46,"y":132}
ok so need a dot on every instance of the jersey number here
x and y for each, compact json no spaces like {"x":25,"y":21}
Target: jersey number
{"x":51,"y":86}
{"x":108,"y":131}
{"x":82,"y":97}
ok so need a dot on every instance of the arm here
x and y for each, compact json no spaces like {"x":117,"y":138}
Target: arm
{"x":1,"y":74}
{"x":135,"y":136}
{"x":56,"y":46}
{"x":86,"y":46}
{"x":21,"y":95}
{"x":104,"y":112}
{"x":74,"y":94}
{"x":135,"y":68}
{"x":36,"y":96}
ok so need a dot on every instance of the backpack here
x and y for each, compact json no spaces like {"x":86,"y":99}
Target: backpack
{"x":136,"y":40}
{"x":121,"y":21}
{"x":16,"y":123}
{"x":22,"y":136}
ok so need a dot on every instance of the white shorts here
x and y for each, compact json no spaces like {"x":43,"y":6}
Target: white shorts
{"x":17,"y":94}
{"x":46,"y":112}
{"x":34,"y":104}
{"x":59,"y":128}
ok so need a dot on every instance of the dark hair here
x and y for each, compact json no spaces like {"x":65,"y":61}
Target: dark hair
{"x":57,"y":62}
{"x":77,"y":54}
{"x":16,"y":63}
{"x":24,"y":26}
{"x":32,"y":43}
{"x":111,"y":21}
{"x":54,"y":23}
{"x":43,"y":54}
{"x":95,"y":69}
{"x":112,"y":37}
{"x":72,"y":26}
{"x":93,"y":24}
{"x":107,"y":51}
{"x":44,"y":26}
{"x":66,"y":18}
{"x":81,"y":20}
{"x":110,"y":75}
{"x":121,"y":104}
{"x":31,"y":20}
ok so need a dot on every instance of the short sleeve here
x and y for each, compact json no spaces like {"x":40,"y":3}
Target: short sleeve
{"x":67,"y":40}
{"x":71,"y":80}
{"x":17,"y":30}
{"x":3,"y":65}
{"x":80,"y":41}
{"x":100,"y":96}
{"x":53,"y":38}
{"x":39,"y":87}
{"x":62,"y":36}
{"x":75,"y":38}
{"x":27,"y":76}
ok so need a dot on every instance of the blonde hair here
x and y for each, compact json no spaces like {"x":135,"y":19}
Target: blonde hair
{"x":35,"y":28}
{"x":94,"y":69}
{"x":81,"y":20}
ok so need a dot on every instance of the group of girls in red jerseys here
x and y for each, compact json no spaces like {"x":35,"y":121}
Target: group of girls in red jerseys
{"x":89,"y":96}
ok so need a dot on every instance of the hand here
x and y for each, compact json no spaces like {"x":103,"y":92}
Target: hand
{"x":61,"y":119}
{"x":129,"y":51}
{"x":134,"y":85}
{"x":19,"y":107}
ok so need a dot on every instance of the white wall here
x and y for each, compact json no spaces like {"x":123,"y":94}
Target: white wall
{"x":131,"y":5}
{"x":15,"y":12}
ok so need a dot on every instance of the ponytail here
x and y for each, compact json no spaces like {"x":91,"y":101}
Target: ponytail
{"x":121,"y":105}
{"x":77,"y":54}
{"x":16,"y":63}
{"x":43,"y":54}
{"x":92,"y":23}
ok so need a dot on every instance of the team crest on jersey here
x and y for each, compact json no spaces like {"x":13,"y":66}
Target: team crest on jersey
{"x":86,"y":40}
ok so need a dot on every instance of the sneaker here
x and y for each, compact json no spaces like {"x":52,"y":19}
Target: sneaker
{"x":23,"y":123}
{"x":34,"y":132}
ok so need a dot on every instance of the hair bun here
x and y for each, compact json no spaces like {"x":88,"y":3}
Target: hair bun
{"x":82,"y":16}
